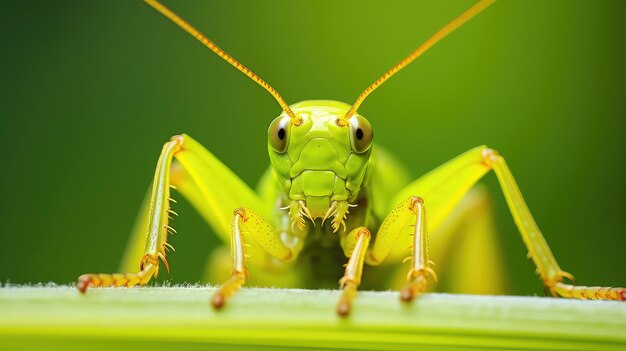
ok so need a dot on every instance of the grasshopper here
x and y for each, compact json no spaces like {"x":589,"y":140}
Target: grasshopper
{"x":329,"y":190}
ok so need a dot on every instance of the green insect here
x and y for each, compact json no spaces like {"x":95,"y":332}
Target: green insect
{"x":330,"y":194}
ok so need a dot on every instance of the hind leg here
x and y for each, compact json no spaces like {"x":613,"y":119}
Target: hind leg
{"x":444,"y":187}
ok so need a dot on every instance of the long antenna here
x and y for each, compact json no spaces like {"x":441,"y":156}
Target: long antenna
{"x":441,"y":33}
{"x":221,"y":53}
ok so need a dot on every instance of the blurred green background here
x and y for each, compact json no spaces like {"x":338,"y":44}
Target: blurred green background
{"x":91,"y":90}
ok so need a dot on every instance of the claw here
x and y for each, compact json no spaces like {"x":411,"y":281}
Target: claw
{"x":296,"y":215}
{"x":330,"y":211}
{"x":568,"y":276}
{"x":337,"y":223}
{"x":340,"y":215}
{"x":305,"y":211}
{"x":167,"y":265}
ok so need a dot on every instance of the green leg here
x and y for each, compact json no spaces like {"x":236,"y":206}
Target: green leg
{"x":466,"y":249}
{"x":208,"y":184}
{"x":251,"y":222}
{"x":157,"y":230}
{"x":355,"y":246}
{"x":445,"y":186}
{"x":408,"y":219}
{"x":266,"y":270}
{"x":180,"y":180}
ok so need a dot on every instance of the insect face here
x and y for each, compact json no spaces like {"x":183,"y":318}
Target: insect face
{"x":319,"y":161}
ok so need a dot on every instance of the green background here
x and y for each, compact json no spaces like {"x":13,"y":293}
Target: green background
{"x":91,"y":90}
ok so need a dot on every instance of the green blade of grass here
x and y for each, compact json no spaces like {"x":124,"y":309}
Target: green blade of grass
{"x":179,"y":318}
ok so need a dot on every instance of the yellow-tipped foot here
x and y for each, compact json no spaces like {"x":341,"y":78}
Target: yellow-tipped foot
{"x":413,"y":288}
{"x":117,"y":279}
{"x":588,"y":292}
{"x":218,"y":300}
{"x":343,"y":308}
{"x":407,"y":294}
{"x":83,"y":282}
{"x":348,"y":294}
{"x":227,"y":290}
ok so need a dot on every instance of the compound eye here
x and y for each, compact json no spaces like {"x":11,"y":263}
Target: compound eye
{"x":278,"y":133}
{"x":361,"y":134}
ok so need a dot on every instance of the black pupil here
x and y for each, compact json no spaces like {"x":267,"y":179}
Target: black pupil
{"x":359,"y":134}
{"x":281,"y":133}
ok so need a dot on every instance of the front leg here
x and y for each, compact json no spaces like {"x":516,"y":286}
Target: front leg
{"x":157,"y":230}
{"x":202,"y":179}
{"x":355,"y":246}
{"x":250,"y":222}
{"x":409,"y":213}
{"x":420,"y":264}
